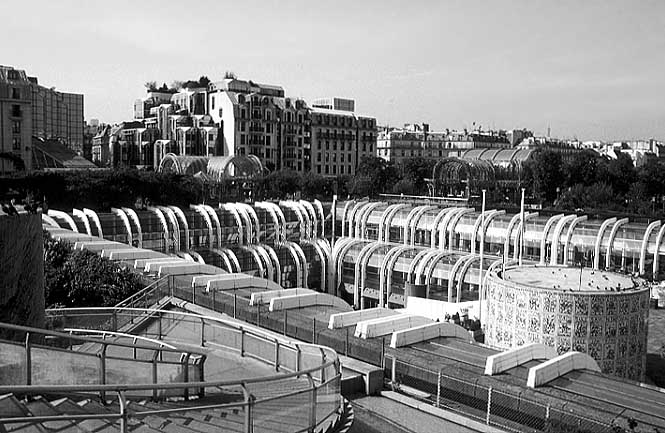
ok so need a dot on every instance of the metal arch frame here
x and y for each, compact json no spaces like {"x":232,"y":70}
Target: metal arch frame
{"x":247,"y":222}
{"x":554,"y":258}
{"x":257,"y":258}
{"x":174,"y":160}
{"x":385,"y":282}
{"x":332,"y":266}
{"x":645,"y":243}
{"x":360,"y":274}
{"x":569,"y":235}
{"x":365,"y":213}
{"x":518,"y":233}
{"x":251,"y":213}
{"x":407,"y":223}
{"x":199,"y":208}
{"x":296,"y":259}
{"x":282,"y":218}
{"x":50,"y":221}
{"x":462,"y":275}
{"x":656,"y":253}
{"x":509,"y":234}
{"x":65,"y":216}
{"x":93,"y":215}
{"x":188,"y":257}
{"x":454,"y":222}
{"x":387,"y":219}
{"x":197,"y":257}
{"x":610,"y":243}
{"x":324,"y":261}
{"x":174,"y":223}
{"x":233,"y":211}
{"x":273,"y":256}
{"x":543,"y":239}
{"x":303,"y":262}
{"x":183,"y":219}
{"x":225,"y":258}
{"x":218,"y":166}
{"x":453,"y":273}
{"x":411,"y":275}
{"x":433,"y":262}
{"x":599,"y":240}
{"x":267,"y":260}
{"x":291,"y":205}
{"x":384,"y":215}
{"x":352,"y":216}
{"x":314,"y":228}
{"x":339,"y":257}
{"x":83,"y":217}
{"x":488,"y":219}
{"x":346,"y":208}
{"x":416,"y":220}
{"x":162,"y":220}
{"x":121,"y":214}
{"x":263,"y":205}
{"x":423,"y":265}
{"x":132,"y":214}
{"x":443,"y":226}
{"x":437,"y":221}
{"x":319,"y":207}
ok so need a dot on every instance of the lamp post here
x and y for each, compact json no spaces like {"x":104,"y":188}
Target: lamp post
{"x":482,"y":251}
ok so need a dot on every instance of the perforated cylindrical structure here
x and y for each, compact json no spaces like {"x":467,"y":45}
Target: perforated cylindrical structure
{"x":599,"y":313}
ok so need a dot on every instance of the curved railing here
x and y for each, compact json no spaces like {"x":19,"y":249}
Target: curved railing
{"x":309,"y":375}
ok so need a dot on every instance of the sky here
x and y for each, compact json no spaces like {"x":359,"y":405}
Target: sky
{"x":585,"y":69}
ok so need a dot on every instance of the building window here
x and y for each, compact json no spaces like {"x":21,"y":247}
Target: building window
{"x":16,"y":111}
{"x":212,"y":102}
{"x":341,"y":170}
{"x":16,"y":93}
{"x":334,"y":169}
{"x":242,"y":139}
{"x":318,"y":169}
{"x":16,"y":143}
{"x":268,"y":140}
{"x":16,"y":127}
{"x":327,"y":169}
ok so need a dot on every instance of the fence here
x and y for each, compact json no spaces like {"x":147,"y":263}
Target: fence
{"x":488,"y":405}
{"x":312,"y":328}
{"x":310,"y":374}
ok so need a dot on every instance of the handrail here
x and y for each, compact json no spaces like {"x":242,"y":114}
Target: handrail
{"x":89,"y":340}
{"x":124,"y":335}
{"x":249,"y":329}
{"x":150,"y":287}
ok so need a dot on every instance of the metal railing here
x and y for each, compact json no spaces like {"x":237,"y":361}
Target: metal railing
{"x":42,"y":357}
{"x":309,"y":374}
{"x":496,"y":407}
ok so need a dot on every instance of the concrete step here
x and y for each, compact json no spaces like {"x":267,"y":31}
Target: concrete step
{"x":10,"y":406}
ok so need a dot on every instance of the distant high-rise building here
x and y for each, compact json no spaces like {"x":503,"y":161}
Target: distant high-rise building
{"x":34,"y":110}
{"x":15,"y":120}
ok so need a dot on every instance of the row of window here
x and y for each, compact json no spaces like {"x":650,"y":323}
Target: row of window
{"x":333,"y":156}
{"x":327,"y":169}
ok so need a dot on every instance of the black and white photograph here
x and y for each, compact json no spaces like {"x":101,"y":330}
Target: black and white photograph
{"x":332,"y":216}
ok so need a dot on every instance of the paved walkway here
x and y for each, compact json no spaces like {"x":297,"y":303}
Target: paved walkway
{"x":380,"y":414}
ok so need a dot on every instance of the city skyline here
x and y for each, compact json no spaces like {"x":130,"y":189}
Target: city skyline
{"x":587,"y":70}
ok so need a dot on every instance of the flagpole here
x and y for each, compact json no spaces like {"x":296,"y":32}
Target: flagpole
{"x":521,"y":246}
{"x":482,"y":251}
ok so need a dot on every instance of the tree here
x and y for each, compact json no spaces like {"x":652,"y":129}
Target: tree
{"x":204,"y":81}
{"x":416,"y":170}
{"x":230,"y":75}
{"x":621,"y":173}
{"x":380,"y":176}
{"x":151,"y":86}
{"x":82,"y":278}
{"x":587,"y":168}
{"x":543,"y":172}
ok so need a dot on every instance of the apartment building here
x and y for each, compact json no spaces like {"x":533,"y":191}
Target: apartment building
{"x":414,"y":140}
{"x":15,"y":120}
{"x":340,"y":139}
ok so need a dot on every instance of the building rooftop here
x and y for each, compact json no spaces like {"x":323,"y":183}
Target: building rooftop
{"x":569,"y":278}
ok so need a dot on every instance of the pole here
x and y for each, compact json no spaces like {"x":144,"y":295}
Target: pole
{"x":521,"y":229}
{"x":334,"y":217}
{"x":482,"y":255}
